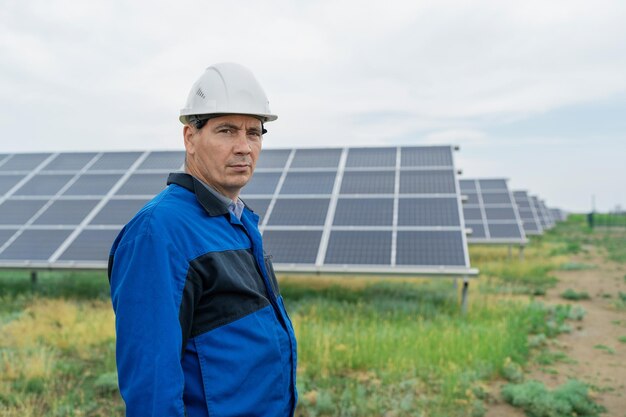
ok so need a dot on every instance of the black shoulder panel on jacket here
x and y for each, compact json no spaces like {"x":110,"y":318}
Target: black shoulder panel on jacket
{"x":221,"y":287}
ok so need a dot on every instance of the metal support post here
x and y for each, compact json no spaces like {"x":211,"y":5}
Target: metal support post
{"x":510,"y":255}
{"x":521,"y":252}
{"x":33,"y":280}
{"x":464,"y":295}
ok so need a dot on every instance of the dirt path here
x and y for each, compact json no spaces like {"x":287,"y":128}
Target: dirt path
{"x":598,"y":357}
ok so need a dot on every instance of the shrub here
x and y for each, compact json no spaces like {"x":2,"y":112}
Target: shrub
{"x":570,"y":294}
{"x":570,"y":399}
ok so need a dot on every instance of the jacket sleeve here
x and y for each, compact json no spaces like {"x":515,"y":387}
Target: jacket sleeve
{"x":146,"y":292}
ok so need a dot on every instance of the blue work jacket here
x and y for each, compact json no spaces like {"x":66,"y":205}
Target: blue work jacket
{"x":201,"y":327}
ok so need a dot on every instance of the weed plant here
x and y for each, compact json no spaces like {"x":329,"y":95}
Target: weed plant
{"x":570,"y":294}
{"x":570,"y":399}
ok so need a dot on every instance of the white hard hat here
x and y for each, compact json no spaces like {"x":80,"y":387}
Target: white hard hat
{"x":227,"y":88}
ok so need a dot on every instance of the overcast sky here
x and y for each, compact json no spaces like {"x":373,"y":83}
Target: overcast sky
{"x":533,"y":91}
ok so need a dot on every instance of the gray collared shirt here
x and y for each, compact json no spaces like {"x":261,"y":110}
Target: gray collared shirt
{"x":235,"y":207}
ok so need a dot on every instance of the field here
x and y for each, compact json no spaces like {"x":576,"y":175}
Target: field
{"x":367,"y":346}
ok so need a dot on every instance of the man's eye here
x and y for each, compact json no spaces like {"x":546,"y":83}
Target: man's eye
{"x":226,"y":130}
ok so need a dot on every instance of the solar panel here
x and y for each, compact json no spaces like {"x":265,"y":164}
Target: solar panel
{"x":23,"y":162}
{"x":119,"y":161}
{"x":93,"y":184}
{"x":428,"y":212}
{"x":359,"y":248}
{"x":66,"y":212}
{"x":292,"y":246}
{"x":528,"y":213}
{"x":364,"y":212}
{"x":118,"y":211}
{"x":299,"y":212}
{"x":69,"y":162}
{"x":44,"y":185}
{"x":388,"y":210}
{"x":427,"y":182}
{"x":490,"y":212}
{"x":316,"y":158}
{"x":163,"y":160}
{"x":308,"y":183}
{"x":9,"y":181}
{"x":368,"y":182}
{"x":273,"y":158}
{"x":261,"y":183}
{"x":34,"y":245}
{"x":18,"y":212}
{"x":371,"y":157}
{"x":89,"y":246}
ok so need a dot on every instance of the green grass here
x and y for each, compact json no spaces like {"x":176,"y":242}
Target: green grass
{"x":367,"y":346}
{"x":622,"y":339}
{"x":605,"y":348}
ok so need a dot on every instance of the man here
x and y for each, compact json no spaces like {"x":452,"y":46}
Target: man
{"x":201,"y":327}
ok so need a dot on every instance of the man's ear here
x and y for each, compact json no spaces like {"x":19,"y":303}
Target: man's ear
{"x":188,"y":133}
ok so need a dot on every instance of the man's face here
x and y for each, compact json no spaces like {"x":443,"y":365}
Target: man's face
{"x":224,"y":152}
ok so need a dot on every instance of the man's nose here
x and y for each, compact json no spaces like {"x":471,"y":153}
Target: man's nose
{"x":242,"y":145}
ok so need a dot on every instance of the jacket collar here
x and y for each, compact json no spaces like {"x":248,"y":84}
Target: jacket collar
{"x":210,"y":203}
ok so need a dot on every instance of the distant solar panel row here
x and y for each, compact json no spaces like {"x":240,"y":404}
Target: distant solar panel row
{"x":528,"y":213}
{"x":490,"y":212}
{"x":377,"y":207}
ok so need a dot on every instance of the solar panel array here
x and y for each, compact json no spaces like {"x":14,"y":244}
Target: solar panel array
{"x":528,"y":213}
{"x":490,"y":212}
{"x":395,"y":209}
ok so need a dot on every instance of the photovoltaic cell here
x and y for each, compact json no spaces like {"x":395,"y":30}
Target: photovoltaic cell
{"x":8,"y":181}
{"x":504,"y":230}
{"x":166,"y":160}
{"x":530,"y":226}
{"x":467,"y":186}
{"x":471,"y":213}
{"x":427,"y":182}
{"x":377,"y":182}
{"x":115,"y":160}
{"x":364,"y":212}
{"x":143,"y":184}
{"x":478,"y":230}
{"x":118,"y":212}
{"x":93,"y":184}
{"x":24,"y":162}
{"x":371,"y":157}
{"x":359,"y":248}
{"x":44,"y":184}
{"x":430,"y":248}
{"x":5,"y":235}
{"x":489,"y":185}
{"x":35,"y":245}
{"x":316,"y":158}
{"x":497,"y":198}
{"x":69,"y":161}
{"x":292,"y":246}
{"x":296,"y":212}
{"x":503,"y":213}
{"x":66,"y":212}
{"x":308,"y":183}
{"x":258,"y":205}
{"x":90,"y":245}
{"x":273,"y":158}
{"x":426,"y":156}
{"x":428,"y":212}
{"x":262,"y":183}
{"x":19,"y":212}
{"x":472,"y":198}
